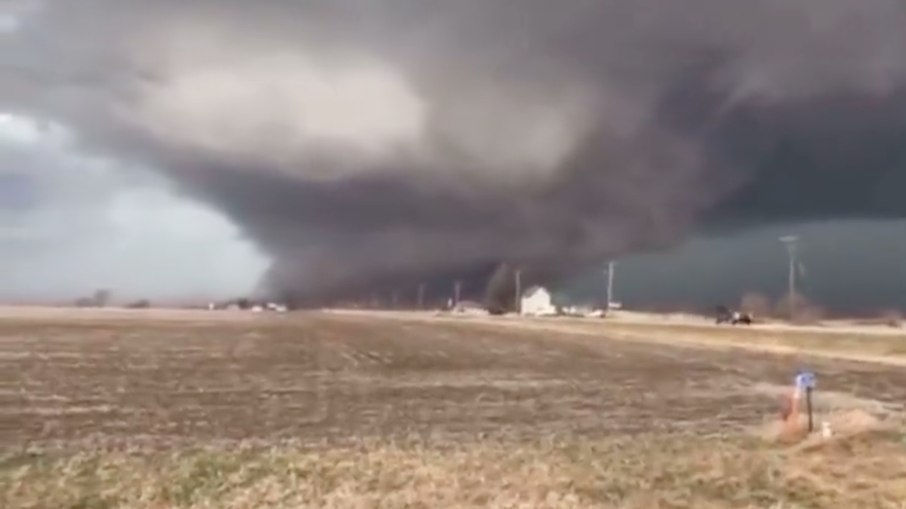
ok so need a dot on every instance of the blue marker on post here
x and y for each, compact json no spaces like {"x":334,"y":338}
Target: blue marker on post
{"x":806,"y":380}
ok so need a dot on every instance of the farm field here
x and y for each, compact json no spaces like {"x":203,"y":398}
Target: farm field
{"x":356,"y":410}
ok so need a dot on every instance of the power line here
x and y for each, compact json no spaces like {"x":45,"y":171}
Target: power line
{"x":792,"y":243}
{"x":421,"y":296}
{"x":457,"y":291}
{"x":610,"y":270}
{"x":517,"y":305}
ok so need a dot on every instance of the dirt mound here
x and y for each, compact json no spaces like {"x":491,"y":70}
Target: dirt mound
{"x":854,"y":422}
{"x":841,"y":424}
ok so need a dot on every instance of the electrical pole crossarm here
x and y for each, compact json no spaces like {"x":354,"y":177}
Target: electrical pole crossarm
{"x":791,"y":243}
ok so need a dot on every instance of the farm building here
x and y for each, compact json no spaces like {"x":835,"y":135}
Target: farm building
{"x":537,"y":301}
{"x":470,"y":307}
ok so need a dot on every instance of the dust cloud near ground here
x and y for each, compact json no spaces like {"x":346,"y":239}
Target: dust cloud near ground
{"x":338,"y":410}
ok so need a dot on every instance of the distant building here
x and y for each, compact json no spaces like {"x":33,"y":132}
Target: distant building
{"x":279,"y":308}
{"x":470,"y":307}
{"x":578,"y":310}
{"x":537,"y":301}
{"x":249,"y":305}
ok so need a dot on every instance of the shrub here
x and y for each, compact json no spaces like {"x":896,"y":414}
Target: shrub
{"x":805,"y":312}
{"x":756,"y":305}
{"x":892,"y":318}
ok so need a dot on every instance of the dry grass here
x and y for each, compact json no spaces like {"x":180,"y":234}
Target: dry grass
{"x":807,"y":339}
{"x":875,"y":341}
{"x":876,"y":345}
{"x":813,"y":340}
{"x":891,"y":318}
{"x":646,"y":471}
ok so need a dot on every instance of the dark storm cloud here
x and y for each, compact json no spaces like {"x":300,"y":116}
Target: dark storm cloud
{"x":849,"y":267}
{"x":365,"y":141}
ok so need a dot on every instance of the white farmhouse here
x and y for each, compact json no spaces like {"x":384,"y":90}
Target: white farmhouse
{"x":278,"y":308}
{"x":537,"y":302}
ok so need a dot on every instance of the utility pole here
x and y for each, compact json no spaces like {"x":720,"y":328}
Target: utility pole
{"x":610,"y":266}
{"x":457,"y":290}
{"x":517,"y":304}
{"x":791,"y":243}
{"x":421,"y":296}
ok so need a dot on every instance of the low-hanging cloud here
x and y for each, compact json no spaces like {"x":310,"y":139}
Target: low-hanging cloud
{"x":70,"y":225}
{"x":365,"y":142}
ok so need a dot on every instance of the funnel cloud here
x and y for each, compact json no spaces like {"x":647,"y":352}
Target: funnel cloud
{"x":369,"y":144}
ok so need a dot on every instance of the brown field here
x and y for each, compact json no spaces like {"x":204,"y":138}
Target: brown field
{"x":356,"y":410}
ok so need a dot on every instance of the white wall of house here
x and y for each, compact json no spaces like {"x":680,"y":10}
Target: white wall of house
{"x":537,"y":302}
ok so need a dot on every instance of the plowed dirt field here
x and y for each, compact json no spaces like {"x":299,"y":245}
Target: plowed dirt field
{"x":336,"y":378}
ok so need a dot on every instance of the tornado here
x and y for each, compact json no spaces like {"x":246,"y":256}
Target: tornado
{"x":368,"y":145}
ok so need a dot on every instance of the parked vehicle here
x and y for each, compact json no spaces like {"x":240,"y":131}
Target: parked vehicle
{"x":725,"y":315}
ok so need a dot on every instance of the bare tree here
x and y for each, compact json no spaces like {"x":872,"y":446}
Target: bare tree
{"x":806,"y":312}
{"x":756,"y":305}
{"x":500,"y":294}
{"x":84,"y":302}
{"x":140,"y":304}
{"x":892,"y":318}
{"x":101,"y":298}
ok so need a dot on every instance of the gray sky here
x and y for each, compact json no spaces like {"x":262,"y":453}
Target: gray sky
{"x":848,"y":266}
{"x":70,"y":224}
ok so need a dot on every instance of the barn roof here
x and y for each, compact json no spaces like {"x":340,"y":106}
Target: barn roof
{"x":533,"y":290}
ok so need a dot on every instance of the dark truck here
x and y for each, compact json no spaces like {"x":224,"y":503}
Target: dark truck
{"x":725,"y":315}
